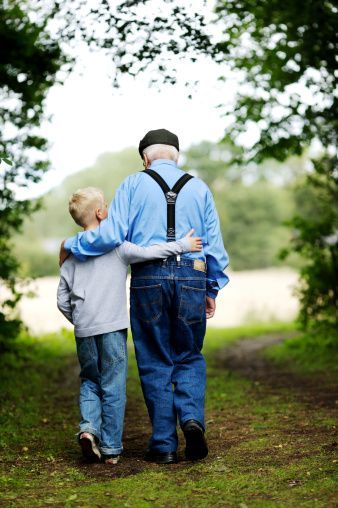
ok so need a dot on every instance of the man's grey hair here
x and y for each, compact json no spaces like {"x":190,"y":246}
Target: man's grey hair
{"x":159,"y":151}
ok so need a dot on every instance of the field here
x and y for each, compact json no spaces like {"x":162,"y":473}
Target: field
{"x":251,"y":296}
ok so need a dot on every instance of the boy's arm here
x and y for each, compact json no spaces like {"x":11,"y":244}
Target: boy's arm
{"x":63,"y":299}
{"x":131,"y":253}
{"x":217,"y":258}
{"x":110,"y":233}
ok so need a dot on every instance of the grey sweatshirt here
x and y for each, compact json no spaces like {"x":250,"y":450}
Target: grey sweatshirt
{"x":92,"y":294}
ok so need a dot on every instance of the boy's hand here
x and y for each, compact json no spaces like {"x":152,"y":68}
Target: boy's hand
{"x":63,"y":254}
{"x":195,"y":243}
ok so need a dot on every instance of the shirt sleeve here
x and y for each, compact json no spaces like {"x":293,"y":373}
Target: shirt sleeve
{"x":63,"y":298}
{"x":110,"y":233}
{"x":217,"y":258}
{"x":131,"y":253}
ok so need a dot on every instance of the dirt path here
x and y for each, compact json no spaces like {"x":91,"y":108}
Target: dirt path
{"x":272,"y":439}
{"x":246,"y":357}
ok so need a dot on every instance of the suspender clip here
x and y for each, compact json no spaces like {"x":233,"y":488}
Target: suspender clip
{"x":171,"y":197}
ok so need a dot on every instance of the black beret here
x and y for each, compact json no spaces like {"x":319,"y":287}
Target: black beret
{"x":158,"y":136}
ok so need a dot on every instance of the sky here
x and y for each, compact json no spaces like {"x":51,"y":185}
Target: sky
{"x":89,"y":116}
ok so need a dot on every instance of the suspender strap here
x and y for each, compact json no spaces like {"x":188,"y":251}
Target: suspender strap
{"x":158,"y":178}
{"x":171,"y":197}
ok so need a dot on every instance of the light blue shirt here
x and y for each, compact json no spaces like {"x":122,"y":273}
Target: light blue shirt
{"x":138,"y":213}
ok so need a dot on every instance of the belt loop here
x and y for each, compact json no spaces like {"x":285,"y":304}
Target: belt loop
{"x":178,"y":259}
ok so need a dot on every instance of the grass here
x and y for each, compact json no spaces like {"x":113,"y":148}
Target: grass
{"x":309,"y":353}
{"x":268,"y":448}
{"x":217,"y":338}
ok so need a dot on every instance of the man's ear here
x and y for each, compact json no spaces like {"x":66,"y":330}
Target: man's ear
{"x":146,"y":162}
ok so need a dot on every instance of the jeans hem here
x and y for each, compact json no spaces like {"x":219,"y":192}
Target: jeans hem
{"x":162,"y":448}
{"x":111,"y":451}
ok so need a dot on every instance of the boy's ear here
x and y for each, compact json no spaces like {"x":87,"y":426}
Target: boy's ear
{"x":98,"y":213}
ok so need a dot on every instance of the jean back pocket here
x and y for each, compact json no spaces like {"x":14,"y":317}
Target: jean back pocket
{"x":192,"y":305}
{"x":146,"y":302}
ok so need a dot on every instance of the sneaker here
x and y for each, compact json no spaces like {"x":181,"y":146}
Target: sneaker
{"x":110,"y":460}
{"x":89,"y":447}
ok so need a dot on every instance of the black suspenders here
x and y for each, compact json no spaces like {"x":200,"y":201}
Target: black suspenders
{"x":170,"y":196}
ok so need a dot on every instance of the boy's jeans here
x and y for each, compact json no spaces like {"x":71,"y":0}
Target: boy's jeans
{"x":167,"y":303}
{"x":104,"y":363}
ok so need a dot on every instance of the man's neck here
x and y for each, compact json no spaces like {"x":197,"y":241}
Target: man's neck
{"x":158,"y":162}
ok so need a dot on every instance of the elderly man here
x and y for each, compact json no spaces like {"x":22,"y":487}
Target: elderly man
{"x":170,"y":300}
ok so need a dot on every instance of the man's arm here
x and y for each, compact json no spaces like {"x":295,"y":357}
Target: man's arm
{"x":63,"y":299}
{"x":109,"y":234}
{"x":131,"y":253}
{"x":217,"y":258}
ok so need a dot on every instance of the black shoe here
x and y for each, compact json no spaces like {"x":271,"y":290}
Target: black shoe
{"x":160,"y":457}
{"x":196,"y":445}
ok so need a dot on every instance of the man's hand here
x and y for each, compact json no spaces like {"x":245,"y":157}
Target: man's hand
{"x":210,"y":307}
{"x":63,"y":255}
{"x":195,"y":243}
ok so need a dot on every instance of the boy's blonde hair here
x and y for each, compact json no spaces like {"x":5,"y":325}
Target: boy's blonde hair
{"x":84,"y":203}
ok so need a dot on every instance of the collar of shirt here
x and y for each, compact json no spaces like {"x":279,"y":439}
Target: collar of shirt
{"x":159,"y":162}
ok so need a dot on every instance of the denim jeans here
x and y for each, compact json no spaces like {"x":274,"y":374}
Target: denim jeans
{"x":104,"y":363}
{"x":168,"y":323}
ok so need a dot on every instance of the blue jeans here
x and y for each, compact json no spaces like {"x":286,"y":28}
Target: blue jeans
{"x":168,"y":323}
{"x":104,"y":363}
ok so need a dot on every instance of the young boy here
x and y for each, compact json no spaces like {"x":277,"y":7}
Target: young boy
{"x":92,"y":296}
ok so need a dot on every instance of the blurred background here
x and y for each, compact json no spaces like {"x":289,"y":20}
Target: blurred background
{"x":253,"y":208}
{"x":252,"y":100}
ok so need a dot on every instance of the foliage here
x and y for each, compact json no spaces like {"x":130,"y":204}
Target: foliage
{"x":40,"y":40}
{"x":107,"y":173}
{"x":315,"y":239}
{"x":37,"y":250}
{"x":290,"y":85}
{"x":251,"y":207}
{"x":251,"y":215}
{"x":28,"y":68}
{"x":284,"y":57}
{"x":252,"y":224}
{"x":307,"y":353}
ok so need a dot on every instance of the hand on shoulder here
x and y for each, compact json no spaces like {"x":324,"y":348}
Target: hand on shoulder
{"x":63,"y":254}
